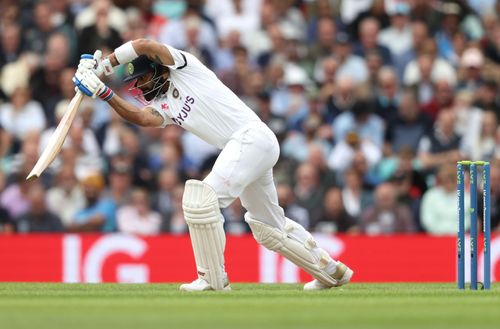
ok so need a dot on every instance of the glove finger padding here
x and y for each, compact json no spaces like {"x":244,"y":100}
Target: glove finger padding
{"x":87,"y":61}
{"x":98,"y":55}
{"x":98,"y":68}
{"x":77,"y":81}
{"x":93,"y":82}
{"x":92,"y":62}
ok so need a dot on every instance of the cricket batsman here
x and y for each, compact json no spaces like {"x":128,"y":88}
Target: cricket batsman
{"x":178,"y":89}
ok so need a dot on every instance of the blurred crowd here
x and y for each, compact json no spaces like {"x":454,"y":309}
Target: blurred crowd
{"x":373,"y":102}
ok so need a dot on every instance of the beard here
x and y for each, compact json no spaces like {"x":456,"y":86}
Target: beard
{"x":159,"y":84}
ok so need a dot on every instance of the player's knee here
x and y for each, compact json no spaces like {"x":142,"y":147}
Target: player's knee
{"x":200,"y":203}
{"x":270,"y":237}
{"x":226,"y":191}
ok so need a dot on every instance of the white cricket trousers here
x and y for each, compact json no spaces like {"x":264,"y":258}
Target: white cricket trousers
{"x":244,"y":169}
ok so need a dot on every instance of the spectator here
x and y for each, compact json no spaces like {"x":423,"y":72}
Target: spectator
{"x":360,"y":119}
{"x":276,"y":51}
{"x":308,"y":189}
{"x":349,"y":64}
{"x":469,"y":117}
{"x":292,"y":209}
{"x":38,"y":218}
{"x":374,"y":64}
{"x":344,"y":152}
{"x":15,"y":196}
{"x":326,"y":30}
{"x":239,"y":17}
{"x":258,"y":42}
{"x":326,"y":77}
{"x":482,"y":144}
{"x":438,"y":210}
{"x":277,"y":123}
{"x":419,"y":33}
{"x":138,"y":218}
{"x":427,"y":68}
{"x":88,"y":16}
{"x":99,"y":35}
{"x":79,"y":136}
{"x":443,"y":97}
{"x":22,"y":115}
{"x":386,"y":94}
{"x":360,"y":11}
{"x":120,"y":182}
{"x":296,"y":145}
{"x":66,"y":196}
{"x":491,"y":45}
{"x":317,"y":158}
{"x":340,"y":99}
{"x":455,"y":19}
{"x":163,"y":200}
{"x":403,"y":170}
{"x":195,"y":152}
{"x":486,"y":97}
{"x":99,"y":213}
{"x":132,"y":150}
{"x":354,"y":196}
{"x":25,"y":158}
{"x":83,"y":150}
{"x":387,"y":215}
{"x":45,"y":81}
{"x":36,"y":37}
{"x":441,"y":144}
{"x":334,"y":217}
{"x":11,"y":44}
{"x":408,"y":127}
{"x":235,"y":77}
{"x":177,"y":224}
{"x":291,"y":101}
{"x":191,"y":33}
{"x":398,"y":37}
{"x":368,"y":40}
{"x":472,"y":62}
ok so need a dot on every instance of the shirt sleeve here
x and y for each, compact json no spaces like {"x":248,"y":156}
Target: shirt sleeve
{"x":180,"y":59}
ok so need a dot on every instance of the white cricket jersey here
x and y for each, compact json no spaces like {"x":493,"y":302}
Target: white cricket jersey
{"x":200,"y":103}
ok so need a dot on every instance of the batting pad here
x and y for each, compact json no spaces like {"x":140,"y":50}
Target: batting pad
{"x":288,"y":243}
{"x":203,"y":216}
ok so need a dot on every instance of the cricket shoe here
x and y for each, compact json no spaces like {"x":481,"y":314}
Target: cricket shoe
{"x":342,"y":275}
{"x":201,"y":284}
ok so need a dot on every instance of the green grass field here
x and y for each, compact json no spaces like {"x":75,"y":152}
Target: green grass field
{"x":75,"y":306}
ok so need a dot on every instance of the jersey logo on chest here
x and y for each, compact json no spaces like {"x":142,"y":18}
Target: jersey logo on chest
{"x":182,"y":114}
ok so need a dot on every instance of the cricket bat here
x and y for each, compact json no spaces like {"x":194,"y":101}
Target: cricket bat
{"x":57,"y":139}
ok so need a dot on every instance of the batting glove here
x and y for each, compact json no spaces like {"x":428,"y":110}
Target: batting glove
{"x":95,"y":63}
{"x":88,"y":83}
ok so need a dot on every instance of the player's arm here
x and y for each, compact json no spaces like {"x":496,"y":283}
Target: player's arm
{"x":87,"y":82}
{"x":146,"y":117}
{"x":129,"y":51}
